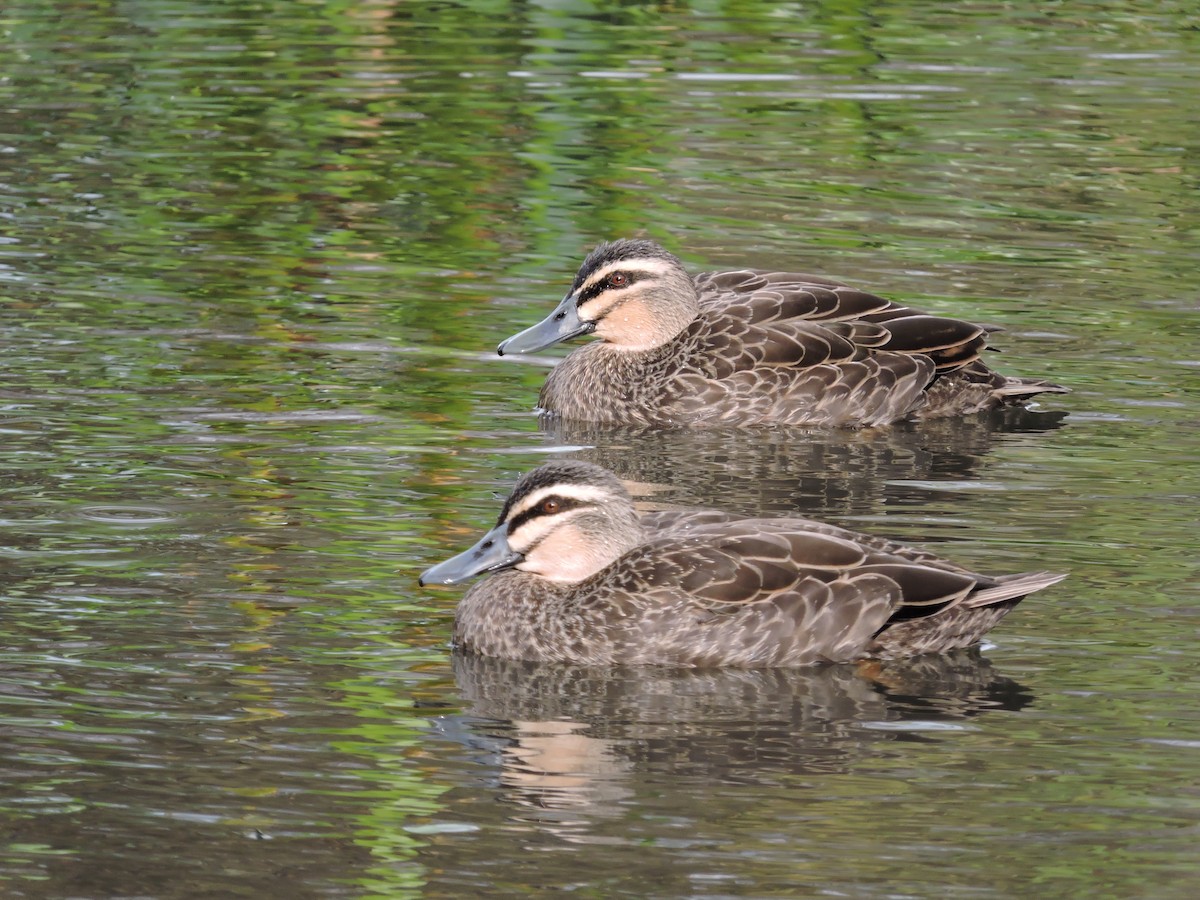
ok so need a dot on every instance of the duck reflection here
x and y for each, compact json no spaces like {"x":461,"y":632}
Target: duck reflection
{"x":757,"y":471}
{"x":572,"y":738}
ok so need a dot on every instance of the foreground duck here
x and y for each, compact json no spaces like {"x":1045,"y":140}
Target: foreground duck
{"x":747,"y":348}
{"x":579,"y":576}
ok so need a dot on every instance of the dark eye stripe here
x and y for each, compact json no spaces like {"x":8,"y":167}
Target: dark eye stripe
{"x":564,"y":503}
{"x":599,"y":287}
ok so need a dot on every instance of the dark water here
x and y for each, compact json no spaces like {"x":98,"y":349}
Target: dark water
{"x":253,"y":262}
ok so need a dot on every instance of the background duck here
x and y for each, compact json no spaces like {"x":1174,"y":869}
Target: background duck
{"x":747,"y":347}
{"x":579,"y":576}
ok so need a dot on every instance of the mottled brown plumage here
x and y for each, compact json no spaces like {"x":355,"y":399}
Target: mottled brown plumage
{"x":747,"y":347}
{"x":581,"y":577}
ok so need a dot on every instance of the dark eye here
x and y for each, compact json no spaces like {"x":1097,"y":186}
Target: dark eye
{"x":618,"y":279}
{"x":550,"y":507}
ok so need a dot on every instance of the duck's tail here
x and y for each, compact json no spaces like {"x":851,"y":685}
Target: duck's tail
{"x":962,"y":624}
{"x":1011,"y":587}
{"x":1018,"y":389}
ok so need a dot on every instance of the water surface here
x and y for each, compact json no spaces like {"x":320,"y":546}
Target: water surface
{"x":253,"y":265}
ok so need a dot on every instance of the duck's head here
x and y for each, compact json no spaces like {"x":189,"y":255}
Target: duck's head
{"x":631,"y":293}
{"x":564,"y":521}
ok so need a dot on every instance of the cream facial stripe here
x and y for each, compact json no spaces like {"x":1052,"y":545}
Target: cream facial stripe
{"x":648,"y":266}
{"x":531,"y":532}
{"x":581,"y":492}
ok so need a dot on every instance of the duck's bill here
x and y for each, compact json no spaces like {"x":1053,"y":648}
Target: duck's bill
{"x":561,"y":325}
{"x":490,"y":554}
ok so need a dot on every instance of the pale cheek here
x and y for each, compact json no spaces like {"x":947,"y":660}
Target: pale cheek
{"x":630,"y":326}
{"x":592,"y":311}
{"x":562,"y":557}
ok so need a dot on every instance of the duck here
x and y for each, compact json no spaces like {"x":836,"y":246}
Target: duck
{"x":746,"y":347}
{"x":577,"y":574}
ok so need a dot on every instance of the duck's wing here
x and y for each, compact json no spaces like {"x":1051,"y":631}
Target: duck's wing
{"x":775,"y":296}
{"x":743,"y":366}
{"x":773,"y":300}
{"x":777,"y":592}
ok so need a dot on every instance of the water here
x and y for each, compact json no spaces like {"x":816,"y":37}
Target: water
{"x":253,"y":265}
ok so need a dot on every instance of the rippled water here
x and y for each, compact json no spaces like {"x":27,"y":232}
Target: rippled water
{"x":254,"y":261}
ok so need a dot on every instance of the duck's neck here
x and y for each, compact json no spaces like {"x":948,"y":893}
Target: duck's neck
{"x":598,"y":383}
